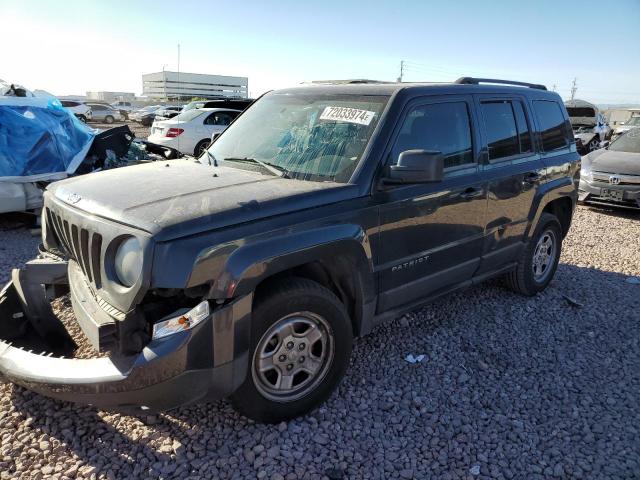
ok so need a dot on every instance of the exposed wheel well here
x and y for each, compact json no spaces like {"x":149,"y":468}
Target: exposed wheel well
{"x":337,"y":274}
{"x":562,"y":208}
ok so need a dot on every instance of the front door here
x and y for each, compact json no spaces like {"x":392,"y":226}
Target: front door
{"x":431,"y":235}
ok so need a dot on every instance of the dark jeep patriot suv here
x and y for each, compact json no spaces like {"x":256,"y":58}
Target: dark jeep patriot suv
{"x":320,"y":212}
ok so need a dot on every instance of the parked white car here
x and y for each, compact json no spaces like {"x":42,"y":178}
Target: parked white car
{"x":80,"y":110}
{"x":191,"y":131}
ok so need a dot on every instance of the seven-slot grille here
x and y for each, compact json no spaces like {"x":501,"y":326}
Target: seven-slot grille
{"x":79,"y":244}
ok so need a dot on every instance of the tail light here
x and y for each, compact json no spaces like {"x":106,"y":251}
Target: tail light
{"x":174,"y":132}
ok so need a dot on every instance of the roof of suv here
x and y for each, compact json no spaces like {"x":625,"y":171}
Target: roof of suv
{"x":380,"y":88}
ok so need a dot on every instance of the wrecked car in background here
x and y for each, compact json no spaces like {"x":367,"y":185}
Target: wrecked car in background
{"x":624,"y":127}
{"x":589,"y":125}
{"x":611,"y":176}
{"x":40,"y":141}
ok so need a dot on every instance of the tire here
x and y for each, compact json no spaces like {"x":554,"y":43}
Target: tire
{"x":200,"y":147}
{"x":82,"y":118}
{"x":109,"y":119}
{"x":285,"y":316}
{"x":593,"y":145}
{"x":524,"y":279}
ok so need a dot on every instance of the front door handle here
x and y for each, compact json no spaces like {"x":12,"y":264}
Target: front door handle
{"x":531,"y":178}
{"x":471,"y":192}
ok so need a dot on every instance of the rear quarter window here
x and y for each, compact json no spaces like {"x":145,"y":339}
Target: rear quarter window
{"x":555,"y":130}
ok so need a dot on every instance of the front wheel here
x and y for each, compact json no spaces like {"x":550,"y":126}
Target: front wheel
{"x":539,"y":260}
{"x":594,"y":144}
{"x":109,"y":119}
{"x":300,"y":348}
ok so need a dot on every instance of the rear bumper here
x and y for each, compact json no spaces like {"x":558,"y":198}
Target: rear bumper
{"x":207,"y":362}
{"x":591,"y":193}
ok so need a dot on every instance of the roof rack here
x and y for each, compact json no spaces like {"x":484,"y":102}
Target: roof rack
{"x":348,"y":81}
{"x":477,"y":81}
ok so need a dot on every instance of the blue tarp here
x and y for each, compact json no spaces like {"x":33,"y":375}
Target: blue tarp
{"x":40,"y":140}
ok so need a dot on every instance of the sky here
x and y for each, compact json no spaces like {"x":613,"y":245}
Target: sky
{"x":71,"y":47}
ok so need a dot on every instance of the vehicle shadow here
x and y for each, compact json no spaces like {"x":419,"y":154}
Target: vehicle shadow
{"x":484,"y":347}
{"x":624,"y":213}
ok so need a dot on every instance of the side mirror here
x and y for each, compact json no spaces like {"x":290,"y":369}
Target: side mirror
{"x":417,"y":166}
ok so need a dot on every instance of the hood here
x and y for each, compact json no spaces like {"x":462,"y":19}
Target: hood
{"x":614,"y":162}
{"x":176,"y":198}
{"x":583,"y":121}
{"x":584,"y":137}
{"x":623,"y":128}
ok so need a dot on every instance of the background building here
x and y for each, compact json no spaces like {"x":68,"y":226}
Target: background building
{"x":185,"y":86}
{"x":111,"y":96}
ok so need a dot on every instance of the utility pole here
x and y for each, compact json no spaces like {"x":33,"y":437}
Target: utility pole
{"x":401,"y":71}
{"x":164,"y":80}
{"x":178,"y":66}
{"x":574,"y":88}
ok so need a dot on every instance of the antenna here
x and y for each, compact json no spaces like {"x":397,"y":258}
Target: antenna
{"x":401,"y":71}
{"x":574,"y":88}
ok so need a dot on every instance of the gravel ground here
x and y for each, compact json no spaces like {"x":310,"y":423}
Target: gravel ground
{"x":510,"y":387}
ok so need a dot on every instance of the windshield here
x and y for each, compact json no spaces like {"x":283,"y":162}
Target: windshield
{"x":188,"y":115}
{"x":193,"y":105}
{"x":310,"y":136}
{"x":633,"y":122}
{"x":629,"y":142}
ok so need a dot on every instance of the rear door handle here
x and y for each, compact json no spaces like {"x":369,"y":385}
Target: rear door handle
{"x":531,"y":177}
{"x":471,"y":192}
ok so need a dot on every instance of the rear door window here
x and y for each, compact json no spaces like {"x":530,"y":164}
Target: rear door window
{"x":501,"y":130}
{"x":506,"y":128}
{"x":555,"y":131}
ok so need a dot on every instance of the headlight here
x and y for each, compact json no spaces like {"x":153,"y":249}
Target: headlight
{"x":128,"y":261}
{"x":181,"y":322}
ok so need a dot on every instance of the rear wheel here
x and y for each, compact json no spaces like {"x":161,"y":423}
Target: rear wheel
{"x":201,"y":147}
{"x":109,"y":119}
{"x":539,"y":260}
{"x":300,"y":348}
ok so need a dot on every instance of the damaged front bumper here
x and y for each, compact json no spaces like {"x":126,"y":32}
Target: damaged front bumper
{"x":206,"y":362}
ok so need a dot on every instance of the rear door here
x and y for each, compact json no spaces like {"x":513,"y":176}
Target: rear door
{"x":431,"y":234}
{"x":512,"y":169}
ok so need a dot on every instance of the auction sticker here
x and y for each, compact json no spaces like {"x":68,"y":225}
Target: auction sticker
{"x":345,"y":114}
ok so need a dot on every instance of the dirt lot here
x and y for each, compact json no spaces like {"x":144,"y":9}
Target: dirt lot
{"x":139,"y":130}
{"x":511,"y":387}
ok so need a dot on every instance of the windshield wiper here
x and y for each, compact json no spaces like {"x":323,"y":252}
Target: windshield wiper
{"x":277,"y":170}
